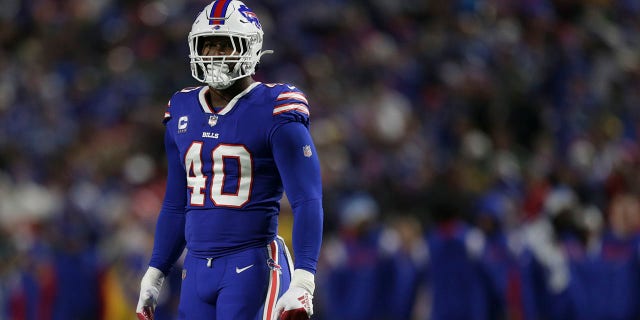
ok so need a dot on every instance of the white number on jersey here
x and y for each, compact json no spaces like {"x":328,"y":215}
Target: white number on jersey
{"x":196,"y":180}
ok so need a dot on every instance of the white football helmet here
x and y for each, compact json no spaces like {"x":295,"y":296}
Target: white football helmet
{"x":227,"y":18}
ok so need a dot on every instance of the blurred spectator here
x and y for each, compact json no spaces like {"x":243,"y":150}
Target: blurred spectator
{"x":455,"y":277}
{"x":497,"y":259}
{"x":545,"y":265}
{"x":618,"y":261}
{"x":408,"y":256}
{"x":351,"y":283}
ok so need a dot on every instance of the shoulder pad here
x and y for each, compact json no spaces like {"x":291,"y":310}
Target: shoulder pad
{"x":189,"y":89}
{"x":288,"y":98}
{"x":167,"y":112}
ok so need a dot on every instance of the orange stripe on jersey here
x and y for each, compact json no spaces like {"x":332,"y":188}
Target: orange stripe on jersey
{"x":274,"y":282}
{"x":282,"y":108}
{"x":293,"y":95}
{"x":167,"y":113}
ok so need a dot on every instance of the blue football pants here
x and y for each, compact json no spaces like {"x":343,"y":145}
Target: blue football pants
{"x":244,"y":285}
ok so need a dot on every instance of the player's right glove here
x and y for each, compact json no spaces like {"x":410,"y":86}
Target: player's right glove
{"x":296,"y":303}
{"x":149,"y":291}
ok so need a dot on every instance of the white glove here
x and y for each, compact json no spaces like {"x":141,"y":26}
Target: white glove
{"x":149,"y":291}
{"x":296,"y":303}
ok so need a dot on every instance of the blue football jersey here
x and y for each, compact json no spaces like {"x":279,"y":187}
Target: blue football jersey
{"x":233,"y":186}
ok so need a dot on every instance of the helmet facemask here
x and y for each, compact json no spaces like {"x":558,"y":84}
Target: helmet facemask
{"x":243,"y":33}
{"x":221,"y":71}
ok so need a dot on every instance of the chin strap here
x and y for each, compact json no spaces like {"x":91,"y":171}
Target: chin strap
{"x":220,"y":73}
{"x":217,"y":76}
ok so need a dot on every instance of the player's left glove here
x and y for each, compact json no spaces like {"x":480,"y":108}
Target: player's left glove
{"x":296,"y":303}
{"x":149,"y":291}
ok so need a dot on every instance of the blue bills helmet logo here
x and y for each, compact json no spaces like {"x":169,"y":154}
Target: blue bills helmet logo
{"x":249,"y":15}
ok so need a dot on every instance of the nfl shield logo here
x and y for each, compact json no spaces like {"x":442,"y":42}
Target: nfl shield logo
{"x":306,"y":151}
{"x":213,"y":120}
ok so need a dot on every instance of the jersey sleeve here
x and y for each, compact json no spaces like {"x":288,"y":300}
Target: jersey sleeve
{"x":297,"y":161}
{"x":168,"y":109}
{"x":291,"y":105}
{"x":169,"y":241}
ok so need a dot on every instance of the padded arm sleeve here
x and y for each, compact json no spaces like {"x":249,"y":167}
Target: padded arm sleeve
{"x":169,"y":239}
{"x":299,"y":167}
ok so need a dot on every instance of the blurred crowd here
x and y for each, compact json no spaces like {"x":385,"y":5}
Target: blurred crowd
{"x":480,"y":158}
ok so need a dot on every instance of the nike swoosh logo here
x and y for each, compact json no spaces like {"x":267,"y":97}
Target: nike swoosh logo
{"x":238,"y":270}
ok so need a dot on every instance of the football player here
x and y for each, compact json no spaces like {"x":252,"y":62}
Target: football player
{"x":233,"y":146}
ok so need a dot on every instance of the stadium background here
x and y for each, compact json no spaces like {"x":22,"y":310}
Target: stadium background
{"x":429,"y":116}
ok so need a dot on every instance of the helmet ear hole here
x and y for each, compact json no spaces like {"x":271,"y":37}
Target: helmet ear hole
{"x":246,"y":67}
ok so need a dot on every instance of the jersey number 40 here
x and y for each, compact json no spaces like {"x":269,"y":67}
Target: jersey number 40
{"x":197,"y":181}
